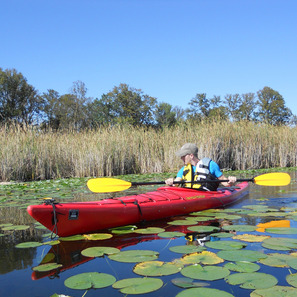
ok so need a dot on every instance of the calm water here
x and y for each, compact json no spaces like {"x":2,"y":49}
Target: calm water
{"x":18,"y":279}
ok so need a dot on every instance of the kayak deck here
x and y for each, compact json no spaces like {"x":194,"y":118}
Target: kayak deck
{"x":66,"y":219}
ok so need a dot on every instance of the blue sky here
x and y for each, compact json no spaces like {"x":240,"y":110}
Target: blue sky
{"x":171,"y":49}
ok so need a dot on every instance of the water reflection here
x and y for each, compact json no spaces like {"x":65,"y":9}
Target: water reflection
{"x":69,"y":253}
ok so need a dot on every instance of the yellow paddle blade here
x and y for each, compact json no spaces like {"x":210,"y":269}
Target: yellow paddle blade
{"x":105,"y":185}
{"x":273,"y":179}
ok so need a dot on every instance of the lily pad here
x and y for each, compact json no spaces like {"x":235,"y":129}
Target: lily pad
{"x":187,"y":249}
{"x":88,"y":280}
{"x":241,"y":255}
{"x":99,"y":251}
{"x":225,"y":245}
{"x":280,"y":243}
{"x":157,"y":268}
{"x":48,"y":257}
{"x":222,"y":235}
{"x":28,"y":244}
{"x":276,"y":260}
{"x":208,"y":273}
{"x":241,"y":266}
{"x":240,"y":228}
{"x":251,"y":238}
{"x":134,"y":256}
{"x":203,"y":229}
{"x":97,"y":236}
{"x":124,"y":229}
{"x":172,"y":234}
{"x":185,"y":282}
{"x":226,"y":216}
{"x":203,"y":292}
{"x":205,"y":257}
{"x":282,"y":230}
{"x":138,"y":285}
{"x":47,"y":267}
{"x":253,"y":280}
{"x":292,"y":279}
{"x":276,"y":291}
{"x":199,"y":219}
{"x":73,"y":238}
{"x":182,"y":222}
{"x":149,"y":230}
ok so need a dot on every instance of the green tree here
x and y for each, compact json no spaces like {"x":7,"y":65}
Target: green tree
{"x":165,"y":115}
{"x":124,"y":105}
{"x":272,"y":108}
{"x":66,"y":111}
{"x":19,"y":101}
{"x":199,"y":107}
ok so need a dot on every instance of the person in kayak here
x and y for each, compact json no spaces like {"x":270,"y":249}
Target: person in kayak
{"x":196,"y":169}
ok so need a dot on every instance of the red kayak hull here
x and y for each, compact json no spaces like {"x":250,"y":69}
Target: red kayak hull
{"x":66,"y":219}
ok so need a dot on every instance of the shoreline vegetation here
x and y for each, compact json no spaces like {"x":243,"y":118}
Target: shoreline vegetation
{"x":32,"y":154}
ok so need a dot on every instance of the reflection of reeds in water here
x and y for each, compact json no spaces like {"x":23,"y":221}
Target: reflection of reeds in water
{"x":109,"y":151}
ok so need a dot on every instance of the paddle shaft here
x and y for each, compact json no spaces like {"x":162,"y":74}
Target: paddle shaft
{"x":189,"y":182}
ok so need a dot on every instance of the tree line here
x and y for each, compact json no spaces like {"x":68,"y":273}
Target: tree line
{"x":22,"y":103}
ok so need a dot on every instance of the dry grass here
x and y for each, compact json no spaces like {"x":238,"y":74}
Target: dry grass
{"x":32,"y":154}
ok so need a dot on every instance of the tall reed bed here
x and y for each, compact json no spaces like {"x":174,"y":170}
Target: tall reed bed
{"x":32,"y":154}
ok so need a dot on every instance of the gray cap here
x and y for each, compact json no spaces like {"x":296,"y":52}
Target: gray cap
{"x":187,"y":149}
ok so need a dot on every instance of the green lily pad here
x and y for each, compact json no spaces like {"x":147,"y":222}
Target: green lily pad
{"x":5,"y":225}
{"x":150,"y":230}
{"x":99,"y":251}
{"x":72,"y":238}
{"x":138,"y":285}
{"x":157,"y":268}
{"x":182,"y":222}
{"x":124,"y":229}
{"x":203,"y":292}
{"x":203,"y":229}
{"x":239,"y":228}
{"x":222,"y":235}
{"x":208,"y":273}
{"x":292,"y":279}
{"x":28,"y":244}
{"x":276,"y":291}
{"x":226,"y":216}
{"x":253,"y":280}
{"x":133,"y":256}
{"x":205,"y":257}
{"x":97,"y":236}
{"x":280,"y":243}
{"x":48,"y":257}
{"x":241,"y":266}
{"x":185,"y":282}
{"x":251,"y":238}
{"x":200,"y":219}
{"x":292,"y":262}
{"x":88,"y":280}
{"x":172,"y":234}
{"x":241,"y":255}
{"x":225,"y":245}
{"x":282,"y":230}
{"x":187,"y":249}
{"x":277,"y":260}
{"x":15,"y":228}
{"x":47,"y":267}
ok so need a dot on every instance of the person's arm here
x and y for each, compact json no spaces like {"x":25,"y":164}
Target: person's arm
{"x":231,"y":180}
{"x":216,"y":171}
{"x":169,"y":181}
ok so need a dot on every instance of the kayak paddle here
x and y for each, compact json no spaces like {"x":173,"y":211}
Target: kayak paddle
{"x":105,"y":185}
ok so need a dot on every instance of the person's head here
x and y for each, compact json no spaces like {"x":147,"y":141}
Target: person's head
{"x":188,"y":153}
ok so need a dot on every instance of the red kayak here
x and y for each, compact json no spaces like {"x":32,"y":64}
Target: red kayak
{"x":66,"y":219}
